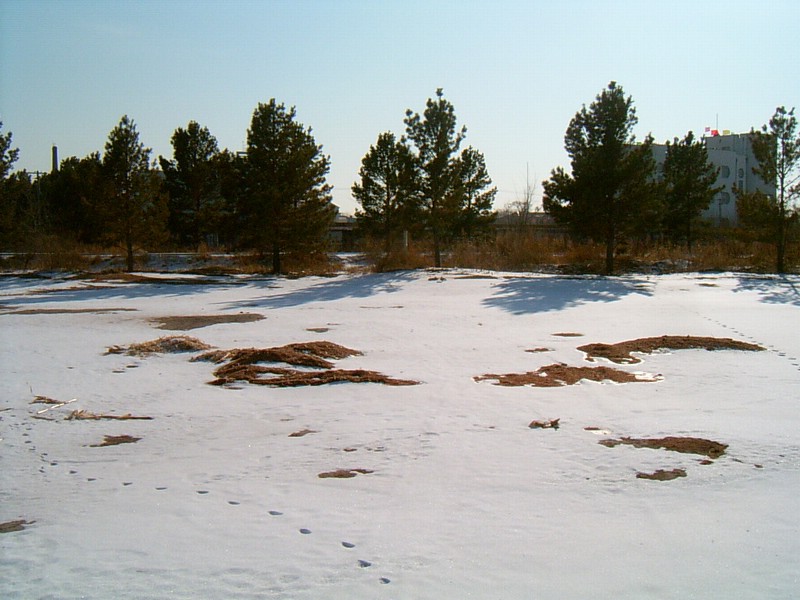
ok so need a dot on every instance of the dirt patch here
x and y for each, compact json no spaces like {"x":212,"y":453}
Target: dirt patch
{"x":344,"y":473}
{"x":557,"y":375}
{"x":662,"y":475}
{"x":567,"y":334}
{"x":537,"y":350}
{"x":163,"y":345}
{"x":621,"y":352}
{"x":85,"y":415}
{"x":686,"y":445}
{"x":184,"y":323}
{"x":115,"y":440}
{"x":17,"y":525}
{"x":302,"y":432}
{"x":549,"y":424}
{"x":246,"y":364}
{"x":70,"y":311}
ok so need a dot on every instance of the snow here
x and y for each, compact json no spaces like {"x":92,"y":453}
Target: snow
{"x":465,"y":500}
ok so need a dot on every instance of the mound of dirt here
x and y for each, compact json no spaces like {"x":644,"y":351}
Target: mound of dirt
{"x":559,"y":375}
{"x":244,"y":364}
{"x":620,"y":352}
{"x":686,"y":445}
{"x":662,"y":475}
{"x":163,"y":345}
{"x":184,"y":323}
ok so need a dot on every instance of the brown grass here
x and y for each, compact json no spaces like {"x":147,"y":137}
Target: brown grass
{"x":662,"y":475}
{"x":163,"y":345}
{"x":184,"y":323}
{"x":241,"y":364}
{"x":686,"y":445}
{"x":344,"y":473}
{"x":559,"y":375}
{"x":621,"y":352}
{"x":550,"y":424}
{"x":16,"y":525}
{"x":85,"y":415}
{"x":302,"y":432}
{"x":115,"y":440}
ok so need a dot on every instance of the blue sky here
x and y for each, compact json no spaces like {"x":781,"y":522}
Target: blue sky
{"x":516,"y":71}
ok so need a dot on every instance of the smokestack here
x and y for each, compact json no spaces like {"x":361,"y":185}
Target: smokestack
{"x":55,"y":159}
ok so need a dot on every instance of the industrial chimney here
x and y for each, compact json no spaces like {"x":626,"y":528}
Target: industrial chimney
{"x":55,"y":159}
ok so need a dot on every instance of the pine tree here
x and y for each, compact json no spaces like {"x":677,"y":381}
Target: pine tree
{"x":688,"y":186}
{"x":71,"y":198}
{"x":134,"y":206}
{"x":8,"y":187}
{"x":777,"y":149}
{"x":387,"y":190}
{"x":475,"y":197}
{"x":611,"y":192}
{"x":196,"y":203}
{"x":287,"y":202}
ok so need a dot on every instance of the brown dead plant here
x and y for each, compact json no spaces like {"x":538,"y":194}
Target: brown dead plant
{"x":115,"y":440}
{"x":662,"y":475}
{"x":344,"y":473}
{"x":557,"y":375}
{"x":686,"y":445}
{"x":85,"y":415}
{"x":163,"y":345}
{"x":620,"y":352}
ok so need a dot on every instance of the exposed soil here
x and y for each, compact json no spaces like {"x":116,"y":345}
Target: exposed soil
{"x":184,"y":323}
{"x":17,"y":525}
{"x":551,"y":424}
{"x":621,"y":352}
{"x":115,"y":440}
{"x":662,"y":475}
{"x":70,"y":311}
{"x":163,"y":345}
{"x":537,"y":350}
{"x":244,"y":364}
{"x":559,"y":375}
{"x":302,"y":432}
{"x":568,"y":334}
{"x":85,"y":415}
{"x":686,"y":445}
{"x":344,"y":473}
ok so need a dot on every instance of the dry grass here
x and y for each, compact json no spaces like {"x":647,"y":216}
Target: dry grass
{"x":184,"y":323}
{"x":302,"y":433}
{"x":686,"y":445}
{"x":115,"y":440}
{"x":620,"y":353}
{"x":662,"y":475}
{"x":85,"y":415}
{"x":16,"y":525}
{"x":557,"y":375}
{"x":344,"y":473}
{"x":243,"y":364}
{"x":549,"y":424}
{"x":163,"y":345}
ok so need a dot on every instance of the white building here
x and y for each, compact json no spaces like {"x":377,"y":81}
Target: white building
{"x":732,"y":154}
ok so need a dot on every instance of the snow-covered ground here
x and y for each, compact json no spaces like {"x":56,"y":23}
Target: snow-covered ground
{"x":216,"y":500}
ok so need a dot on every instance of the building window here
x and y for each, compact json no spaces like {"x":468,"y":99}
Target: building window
{"x":724,"y":171}
{"x":724,"y":197}
{"x":741,"y":173}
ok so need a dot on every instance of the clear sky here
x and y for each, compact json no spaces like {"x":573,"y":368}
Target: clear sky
{"x":515,"y":71}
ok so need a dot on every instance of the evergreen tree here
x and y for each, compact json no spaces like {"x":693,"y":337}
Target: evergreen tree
{"x":387,"y":190}
{"x":611,"y":192}
{"x":71,"y":196}
{"x":688,"y":186}
{"x":9,"y":187}
{"x":193,"y":183}
{"x":437,"y":140}
{"x":134,"y":207}
{"x":777,"y":149}
{"x":287,"y":201}
{"x":475,"y":197}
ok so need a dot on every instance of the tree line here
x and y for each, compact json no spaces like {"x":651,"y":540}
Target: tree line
{"x":427,"y":185}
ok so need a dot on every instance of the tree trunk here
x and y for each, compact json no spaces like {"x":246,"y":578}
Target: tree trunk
{"x":611,"y":240}
{"x":437,"y":251}
{"x":276,"y":258}
{"x":129,"y":248}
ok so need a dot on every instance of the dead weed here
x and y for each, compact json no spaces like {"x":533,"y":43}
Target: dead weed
{"x":621,"y":352}
{"x":85,"y":415}
{"x":115,"y":440}
{"x":559,"y":375}
{"x":163,"y":345}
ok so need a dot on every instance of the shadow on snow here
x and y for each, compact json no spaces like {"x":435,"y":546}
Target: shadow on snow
{"x":526,"y":295}
{"x":773,"y":289}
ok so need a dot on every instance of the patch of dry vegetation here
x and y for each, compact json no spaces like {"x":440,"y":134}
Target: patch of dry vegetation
{"x":557,"y":375}
{"x":184,"y":323}
{"x":85,"y":415}
{"x":686,"y":445}
{"x":662,"y":475}
{"x":163,"y":345}
{"x":115,"y":440}
{"x":16,"y":525}
{"x":620,"y":353}
{"x":344,"y":473}
{"x":246,"y":364}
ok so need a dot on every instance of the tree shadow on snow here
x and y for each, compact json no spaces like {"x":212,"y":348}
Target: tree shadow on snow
{"x":526,"y":295}
{"x":773,"y":289}
{"x":330,"y":290}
